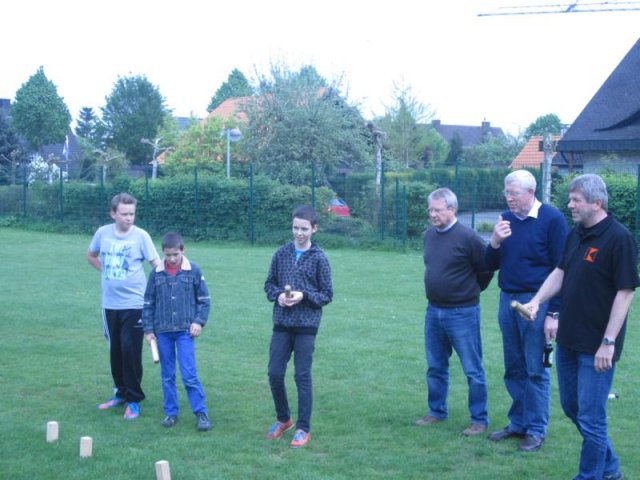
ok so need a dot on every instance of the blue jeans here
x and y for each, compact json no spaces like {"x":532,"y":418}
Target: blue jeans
{"x":283,"y":344}
{"x":583,"y":396}
{"x":527,"y":381}
{"x":445,"y":330}
{"x":181,"y":342}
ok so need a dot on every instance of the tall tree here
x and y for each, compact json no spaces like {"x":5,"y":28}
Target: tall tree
{"x":135,"y":109}
{"x":406,"y":141}
{"x":549,"y":123}
{"x":38,"y":113}
{"x":456,"y":152}
{"x":236,"y":85}
{"x":86,"y":124}
{"x":10,"y":152}
{"x":296,"y":126}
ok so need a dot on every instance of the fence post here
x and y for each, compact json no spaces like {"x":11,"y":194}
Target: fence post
{"x":456,"y":180}
{"x":147,"y":207}
{"x":474,"y":203}
{"x":61,"y":198}
{"x":251,"y":226}
{"x":196,"y":199}
{"x":637,"y":232}
{"x":405,"y":216}
{"x":313,"y":184}
{"x":25,"y":185}
{"x":382,"y":201}
{"x":398,"y":208}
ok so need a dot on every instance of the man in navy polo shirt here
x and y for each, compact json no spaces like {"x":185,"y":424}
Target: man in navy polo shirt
{"x":597,"y":276}
{"x":526,"y":245}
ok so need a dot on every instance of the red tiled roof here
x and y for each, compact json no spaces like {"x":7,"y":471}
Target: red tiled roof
{"x":230,"y":108}
{"x":531,"y":156}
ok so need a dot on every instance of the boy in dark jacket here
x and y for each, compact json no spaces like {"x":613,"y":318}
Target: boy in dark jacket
{"x":299,"y":284}
{"x":176,"y":308}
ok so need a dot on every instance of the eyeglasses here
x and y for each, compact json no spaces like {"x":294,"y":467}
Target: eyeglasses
{"x":438,"y":210}
{"x":512,"y":194}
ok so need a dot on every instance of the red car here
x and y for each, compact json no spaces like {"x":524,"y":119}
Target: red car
{"x":339,"y":207}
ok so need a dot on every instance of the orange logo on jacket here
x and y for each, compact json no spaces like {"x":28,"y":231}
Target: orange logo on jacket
{"x":590,"y":254}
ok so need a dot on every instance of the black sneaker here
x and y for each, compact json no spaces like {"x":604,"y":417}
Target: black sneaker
{"x":169,"y":421}
{"x":202,"y":422}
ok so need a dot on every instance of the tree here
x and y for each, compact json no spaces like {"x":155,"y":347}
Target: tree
{"x":549,"y":123}
{"x":39,"y":114}
{"x":236,"y":85}
{"x":298,"y":126}
{"x":406,"y":142}
{"x":10,"y":152}
{"x":201,"y":145}
{"x":494,"y":151}
{"x":135,"y":109}
{"x":455,"y":155}
{"x":87,"y":124}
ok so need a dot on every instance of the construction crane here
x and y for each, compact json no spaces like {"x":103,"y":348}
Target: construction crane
{"x":573,"y":7}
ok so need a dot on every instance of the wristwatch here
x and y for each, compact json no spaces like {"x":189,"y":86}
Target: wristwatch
{"x":608,"y":341}
{"x":554,"y":315}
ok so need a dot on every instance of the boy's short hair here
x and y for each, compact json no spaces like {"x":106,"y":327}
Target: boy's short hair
{"x":173,"y":240}
{"x":123,"y":197}
{"x":306,"y":212}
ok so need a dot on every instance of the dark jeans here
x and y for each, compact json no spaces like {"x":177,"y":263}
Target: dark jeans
{"x":302,"y":346}
{"x":125,"y":334}
{"x":583,"y":396}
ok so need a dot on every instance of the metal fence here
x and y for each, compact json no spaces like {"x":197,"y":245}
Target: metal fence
{"x":394,"y":211}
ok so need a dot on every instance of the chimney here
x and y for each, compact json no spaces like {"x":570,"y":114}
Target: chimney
{"x":486,"y":127}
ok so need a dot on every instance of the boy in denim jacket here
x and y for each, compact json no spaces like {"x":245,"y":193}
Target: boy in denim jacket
{"x":176,"y":308}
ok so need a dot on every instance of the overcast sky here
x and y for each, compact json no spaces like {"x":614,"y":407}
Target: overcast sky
{"x":508,"y":70}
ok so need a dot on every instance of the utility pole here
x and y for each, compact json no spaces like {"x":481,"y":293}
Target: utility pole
{"x":546,"y":168}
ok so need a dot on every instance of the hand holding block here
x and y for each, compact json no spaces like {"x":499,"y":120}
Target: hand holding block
{"x":518,"y":307}
{"x":52,"y":431}
{"x":155,"y":356}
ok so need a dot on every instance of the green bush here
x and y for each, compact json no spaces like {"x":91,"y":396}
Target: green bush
{"x":622,"y":190}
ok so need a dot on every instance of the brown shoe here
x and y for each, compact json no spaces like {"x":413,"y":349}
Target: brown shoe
{"x":427,"y":420}
{"x":531,"y":443}
{"x":503,"y":434}
{"x":474,"y":429}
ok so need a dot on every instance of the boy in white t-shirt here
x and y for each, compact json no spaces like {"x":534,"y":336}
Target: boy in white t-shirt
{"x":118,"y":251}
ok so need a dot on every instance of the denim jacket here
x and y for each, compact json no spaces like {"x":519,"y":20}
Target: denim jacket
{"x":172,"y":304}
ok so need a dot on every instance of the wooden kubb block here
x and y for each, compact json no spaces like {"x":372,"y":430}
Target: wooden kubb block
{"x":162,"y":470}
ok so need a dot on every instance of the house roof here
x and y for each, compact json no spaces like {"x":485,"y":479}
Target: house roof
{"x":611,"y":119}
{"x":230,"y":108}
{"x":470,"y":135}
{"x":57,"y":150}
{"x":532,"y":154}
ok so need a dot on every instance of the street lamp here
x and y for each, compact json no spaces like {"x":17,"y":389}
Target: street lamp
{"x":233,"y":135}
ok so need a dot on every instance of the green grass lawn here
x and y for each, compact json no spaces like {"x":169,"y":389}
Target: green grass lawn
{"x":368,"y":379}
